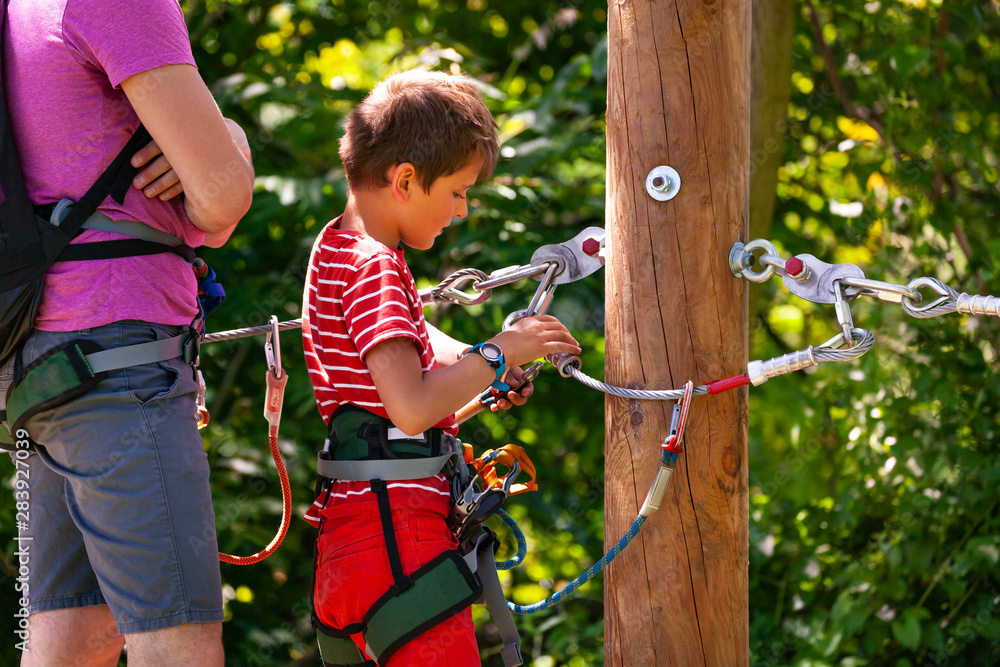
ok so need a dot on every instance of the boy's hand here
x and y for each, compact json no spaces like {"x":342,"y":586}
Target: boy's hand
{"x":534,"y":337}
{"x":512,"y":398}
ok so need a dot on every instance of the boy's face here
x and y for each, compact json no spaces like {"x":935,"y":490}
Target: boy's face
{"x":428,"y":213}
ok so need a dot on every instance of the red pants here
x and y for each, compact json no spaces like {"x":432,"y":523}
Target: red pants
{"x":353,"y":571}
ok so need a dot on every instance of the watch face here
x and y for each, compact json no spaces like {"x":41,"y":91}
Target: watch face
{"x":491,"y":352}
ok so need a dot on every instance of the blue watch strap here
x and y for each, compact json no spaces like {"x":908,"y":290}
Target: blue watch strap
{"x":499,"y":366}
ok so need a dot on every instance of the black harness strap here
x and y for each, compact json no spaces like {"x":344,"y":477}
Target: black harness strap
{"x":115,"y":181}
{"x":401,"y":582}
{"x":121,"y":248}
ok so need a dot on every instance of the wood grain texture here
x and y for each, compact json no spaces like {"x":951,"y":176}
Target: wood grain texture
{"x":678,"y":94}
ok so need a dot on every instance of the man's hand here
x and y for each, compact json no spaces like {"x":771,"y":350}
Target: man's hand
{"x":156,"y":178}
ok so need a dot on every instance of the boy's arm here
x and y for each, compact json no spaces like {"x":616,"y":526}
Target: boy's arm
{"x":447,"y":350}
{"x":415,"y":400}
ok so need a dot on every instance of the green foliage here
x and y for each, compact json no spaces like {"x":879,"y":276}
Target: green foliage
{"x":873,"y":528}
{"x":874,"y":537}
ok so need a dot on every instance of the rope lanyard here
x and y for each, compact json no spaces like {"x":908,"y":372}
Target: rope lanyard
{"x":276,"y":379}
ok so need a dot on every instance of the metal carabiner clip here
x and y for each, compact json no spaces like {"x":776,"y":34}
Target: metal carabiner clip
{"x":272,"y":348}
{"x":541,"y":300}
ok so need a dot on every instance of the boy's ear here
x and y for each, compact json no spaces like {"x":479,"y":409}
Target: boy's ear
{"x":402,"y":179}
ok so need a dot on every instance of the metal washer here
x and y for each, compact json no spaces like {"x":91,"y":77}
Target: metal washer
{"x":671,"y":183}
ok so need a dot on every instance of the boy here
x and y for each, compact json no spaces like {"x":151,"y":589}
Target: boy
{"x":411,"y":150}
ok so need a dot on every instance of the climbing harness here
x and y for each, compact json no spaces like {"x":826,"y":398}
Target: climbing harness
{"x":34,"y":238}
{"x":365,"y":447}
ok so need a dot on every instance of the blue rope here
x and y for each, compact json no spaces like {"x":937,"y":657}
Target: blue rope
{"x":583,"y":578}
{"x":522,"y":545}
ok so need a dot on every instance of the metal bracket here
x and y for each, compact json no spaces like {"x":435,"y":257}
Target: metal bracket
{"x":740,"y":259}
{"x":573,"y":261}
{"x":819,"y":288}
{"x":663,"y":183}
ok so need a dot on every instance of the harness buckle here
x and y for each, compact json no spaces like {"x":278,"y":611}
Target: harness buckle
{"x":192,"y":349}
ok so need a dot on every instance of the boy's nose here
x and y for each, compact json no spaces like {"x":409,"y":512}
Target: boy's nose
{"x":462,"y":209}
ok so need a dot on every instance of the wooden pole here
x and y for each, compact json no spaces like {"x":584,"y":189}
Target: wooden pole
{"x":678,"y":95}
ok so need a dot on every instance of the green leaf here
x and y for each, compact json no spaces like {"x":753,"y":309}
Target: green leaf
{"x":906,"y":630}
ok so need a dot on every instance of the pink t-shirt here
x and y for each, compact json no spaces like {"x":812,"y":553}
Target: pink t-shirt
{"x":63,"y":63}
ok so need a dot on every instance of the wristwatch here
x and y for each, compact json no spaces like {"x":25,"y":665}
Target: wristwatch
{"x":493,"y":355}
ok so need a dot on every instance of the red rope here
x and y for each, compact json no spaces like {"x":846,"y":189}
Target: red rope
{"x":272,"y":411}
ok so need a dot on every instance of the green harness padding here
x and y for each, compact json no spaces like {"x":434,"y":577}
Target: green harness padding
{"x":59,"y":375}
{"x":337,"y":649}
{"x":441,"y":588}
{"x":359,"y":435}
{"x":6,"y":439}
{"x":74,"y":368}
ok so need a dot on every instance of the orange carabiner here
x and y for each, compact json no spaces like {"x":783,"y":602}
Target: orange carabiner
{"x":486,"y":464}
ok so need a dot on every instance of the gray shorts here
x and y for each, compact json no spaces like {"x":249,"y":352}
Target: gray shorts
{"x":120,"y":510}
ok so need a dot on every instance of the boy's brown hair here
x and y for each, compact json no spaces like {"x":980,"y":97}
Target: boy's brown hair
{"x":435,"y":121}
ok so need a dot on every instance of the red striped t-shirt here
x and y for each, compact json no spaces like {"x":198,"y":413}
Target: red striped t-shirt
{"x":358,"y":294}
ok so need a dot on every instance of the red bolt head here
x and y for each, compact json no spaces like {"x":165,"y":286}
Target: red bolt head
{"x":591,"y":246}
{"x":794,"y":266}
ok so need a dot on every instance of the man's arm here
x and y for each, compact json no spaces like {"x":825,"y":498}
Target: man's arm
{"x":209,"y":155}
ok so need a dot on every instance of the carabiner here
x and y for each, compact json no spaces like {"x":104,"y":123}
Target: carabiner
{"x":272,"y":348}
{"x":540,"y":301}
